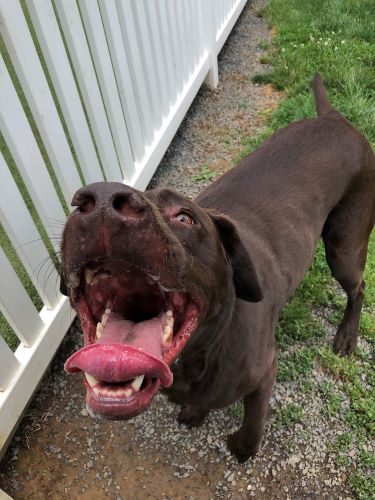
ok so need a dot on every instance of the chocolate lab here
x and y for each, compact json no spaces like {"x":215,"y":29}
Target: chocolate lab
{"x":155,"y":277}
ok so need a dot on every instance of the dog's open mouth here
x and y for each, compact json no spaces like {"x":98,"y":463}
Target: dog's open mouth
{"x":133,"y":328}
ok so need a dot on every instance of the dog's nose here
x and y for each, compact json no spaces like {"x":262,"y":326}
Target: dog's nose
{"x":111,"y":199}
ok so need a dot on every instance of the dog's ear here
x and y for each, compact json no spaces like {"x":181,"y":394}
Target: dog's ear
{"x":63,"y":287}
{"x":245,"y":277}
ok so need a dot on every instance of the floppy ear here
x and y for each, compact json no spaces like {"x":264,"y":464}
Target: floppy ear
{"x":245,"y":277}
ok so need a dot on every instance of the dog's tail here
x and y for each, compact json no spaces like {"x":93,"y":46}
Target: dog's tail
{"x":322,"y":104}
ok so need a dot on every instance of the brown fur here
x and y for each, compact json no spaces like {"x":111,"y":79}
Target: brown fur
{"x":255,"y":236}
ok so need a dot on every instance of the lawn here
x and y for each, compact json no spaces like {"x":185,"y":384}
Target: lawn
{"x":336,"y":39}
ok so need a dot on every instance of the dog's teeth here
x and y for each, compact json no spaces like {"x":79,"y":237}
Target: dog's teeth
{"x":166,"y":289}
{"x":155,"y":278}
{"x":168,"y":329}
{"x":170,"y":319}
{"x":98,"y":278}
{"x":90,"y":412}
{"x":128,"y":392}
{"x":105,"y":316}
{"x":90,"y":379}
{"x":137,"y":382}
{"x":89,"y":275}
{"x":108,"y":392}
{"x":99,"y":330}
{"x":167,"y":334}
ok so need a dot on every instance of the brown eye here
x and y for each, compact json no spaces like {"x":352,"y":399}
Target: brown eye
{"x":184,"y":218}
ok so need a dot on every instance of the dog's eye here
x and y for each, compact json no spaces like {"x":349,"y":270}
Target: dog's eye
{"x":184,"y":218}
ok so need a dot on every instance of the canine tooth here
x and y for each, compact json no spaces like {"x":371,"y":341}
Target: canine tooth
{"x":137,"y":382}
{"x":90,"y":379}
{"x":166,"y":289}
{"x":99,"y":330}
{"x":154,"y":277}
{"x":98,"y":278}
{"x":170,"y":320}
{"x":104,"y":319}
{"x":168,"y":329}
{"x":167,"y":334}
{"x":128,"y":393}
{"x":90,"y":412}
{"x":107,"y":311}
{"x":96,"y":390}
{"x":89,"y":275}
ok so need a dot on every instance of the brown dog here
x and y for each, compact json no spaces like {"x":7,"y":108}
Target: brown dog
{"x":154,"y":276}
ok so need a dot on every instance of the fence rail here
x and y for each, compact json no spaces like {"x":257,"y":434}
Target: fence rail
{"x":90,"y":90}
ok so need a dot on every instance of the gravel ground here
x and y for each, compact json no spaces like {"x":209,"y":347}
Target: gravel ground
{"x":60,"y":452}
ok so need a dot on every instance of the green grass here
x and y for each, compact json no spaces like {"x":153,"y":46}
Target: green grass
{"x":336,"y":39}
{"x":205,"y":174}
{"x":293,"y":366}
{"x":264,"y":45}
{"x":289,"y":415}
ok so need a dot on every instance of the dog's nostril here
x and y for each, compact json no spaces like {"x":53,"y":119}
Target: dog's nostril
{"x":120,"y":202}
{"x":128,"y":205}
{"x":87,"y":205}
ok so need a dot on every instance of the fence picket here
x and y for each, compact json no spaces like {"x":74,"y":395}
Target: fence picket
{"x":8,"y":365}
{"x":28,"y":324}
{"x":25,"y":238}
{"x":34,"y":84}
{"x":137,"y":70}
{"x":75,"y":37}
{"x":102,"y":61}
{"x":161,"y":49}
{"x":232,"y":11}
{"x":22,"y":144}
{"x":182,"y":40}
{"x":152,"y":61}
{"x":125,"y":83}
{"x":154,"y":51}
{"x":52,"y":45}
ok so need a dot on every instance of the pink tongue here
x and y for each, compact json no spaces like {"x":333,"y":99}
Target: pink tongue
{"x":124,"y":351}
{"x":145,"y":335}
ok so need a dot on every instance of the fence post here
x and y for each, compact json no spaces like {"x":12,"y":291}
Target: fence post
{"x":209,"y":35}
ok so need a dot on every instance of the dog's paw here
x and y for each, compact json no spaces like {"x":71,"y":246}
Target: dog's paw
{"x":190,"y":416}
{"x":345,"y":342}
{"x":238,"y":450}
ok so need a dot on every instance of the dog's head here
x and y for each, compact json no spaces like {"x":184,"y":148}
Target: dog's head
{"x":143,"y":271}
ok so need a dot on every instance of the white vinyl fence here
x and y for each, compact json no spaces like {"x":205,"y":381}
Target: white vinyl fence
{"x":90,"y":90}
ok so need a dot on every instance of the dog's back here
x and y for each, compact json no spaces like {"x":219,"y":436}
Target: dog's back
{"x":315,"y":177}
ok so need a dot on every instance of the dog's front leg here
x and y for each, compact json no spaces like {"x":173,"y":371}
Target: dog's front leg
{"x":192,"y":415}
{"x":245,"y":442}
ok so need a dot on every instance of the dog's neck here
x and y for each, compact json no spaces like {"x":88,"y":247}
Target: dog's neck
{"x":205,"y":365}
